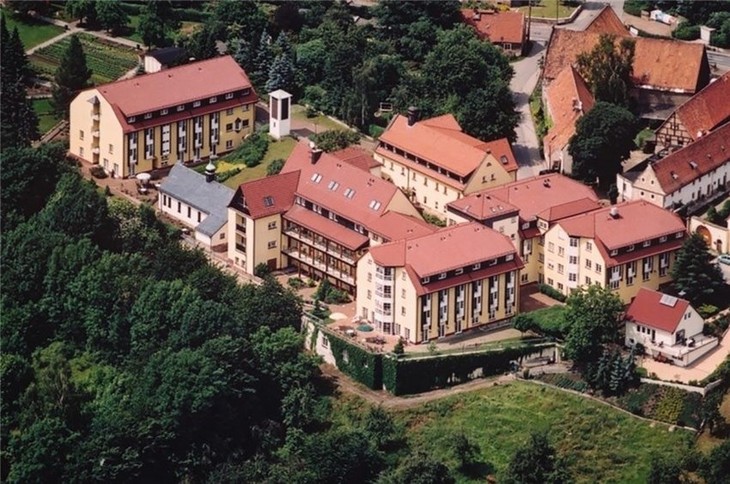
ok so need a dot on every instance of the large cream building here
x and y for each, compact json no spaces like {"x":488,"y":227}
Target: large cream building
{"x":524,"y":211}
{"x":183,"y":114}
{"x":624,"y":247}
{"x":439,"y":284}
{"x":319,"y":215}
{"x":435,"y":162}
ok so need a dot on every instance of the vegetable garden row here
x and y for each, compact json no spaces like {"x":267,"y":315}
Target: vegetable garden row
{"x":108,"y":61}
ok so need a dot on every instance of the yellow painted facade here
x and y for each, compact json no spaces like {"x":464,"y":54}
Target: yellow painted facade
{"x":253,"y":242}
{"x":97,"y":134}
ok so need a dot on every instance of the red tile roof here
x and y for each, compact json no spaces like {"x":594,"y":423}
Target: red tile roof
{"x":357,"y":157}
{"x":569,"y":209}
{"x":268,"y":196}
{"x":396,"y":226}
{"x":479,"y":275}
{"x":636,"y":222}
{"x":531,"y":196}
{"x":179,"y":85}
{"x":658,"y":63}
{"x":694,"y":160}
{"x":441,"y":142}
{"x":568,"y":98}
{"x":326,"y":182}
{"x":501,"y":149}
{"x":332,"y":230}
{"x":707,"y":109}
{"x":607,"y":22}
{"x":450,"y":248}
{"x":495,"y":26}
{"x":647,"y":309}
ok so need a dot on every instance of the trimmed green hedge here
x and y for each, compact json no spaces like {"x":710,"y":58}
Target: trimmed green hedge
{"x":357,"y":363}
{"x":405,"y":377}
{"x":551,"y":292}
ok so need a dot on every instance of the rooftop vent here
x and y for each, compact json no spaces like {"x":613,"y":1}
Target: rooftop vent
{"x":546,"y":182}
{"x":613,"y":212}
{"x":693,"y":165}
{"x":413,"y":113}
{"x":675,"y":176}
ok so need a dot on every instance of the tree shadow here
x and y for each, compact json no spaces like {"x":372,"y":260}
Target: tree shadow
{"x":478,"y":470}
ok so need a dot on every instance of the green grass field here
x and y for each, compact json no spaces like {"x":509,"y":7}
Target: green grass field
{"x":46,"y":117}
{"x":600,"y":443}
{"x":277,"y":149}
{"x":31,"y":32}
{"x":323,"y":122}
{"x":108,"y":61}
{"x":546,"y":9}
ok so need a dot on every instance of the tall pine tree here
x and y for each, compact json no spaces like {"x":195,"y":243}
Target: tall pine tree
{"x":699,"y":280}
{"x":19,"y":123}
{"x":72,"y":76}
{"x":281,"y":74}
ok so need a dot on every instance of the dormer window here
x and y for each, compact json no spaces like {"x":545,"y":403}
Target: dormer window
{"x":509,"y":257}
{"x":132,"y":119}
{"x":268,"y":201}
{"x":213,"y":99}
{"x":646,"y":243}
{"x":614,"y":252}
{"x":678,"y":235}
{"x":630,"y":248}
{"x":525,"y":226}
{"x":148,"y":116}
{"x":493,"y":262}
{"x":663,"y":238}
{"x":476,"y":266}
{"x":316,"y":178}
{"x":425,"y":280}
{"x":458,"y":272}
{"x":163,"y":111}
{"x":196,"y":104}
{"x":442,"y":276}
{"x":181,"y":108}
{"x":229,"y":95}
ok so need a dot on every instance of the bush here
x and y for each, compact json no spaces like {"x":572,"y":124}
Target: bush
{"x":374,"y":131}
{"x":686,"y":31}
{"x":221,"y":177}
{"x":275,"y":167}
{"x":336,"y":296}
{"x":670,"y":405}
{"x":434,"y":220}
{"x":634,"y":7}
{"x":296,"y":283}
{"x":707,"y":310}
{"x":262,"y":270}
{"x":98,"y":172}
{"x":334,"y":140}
{"x":192,"y":14}
{"x":398,"y":349}
{"x":551,"y":292}
{"x":251,"y":151}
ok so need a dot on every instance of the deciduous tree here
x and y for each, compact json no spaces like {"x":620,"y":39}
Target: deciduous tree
{"x":536,"y":462}
{"x":695,"y":276}
{"x":607,"y":69}
{"x":111,"y":15}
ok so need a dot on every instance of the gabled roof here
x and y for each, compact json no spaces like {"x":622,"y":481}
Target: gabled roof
{"x":568,"y":98}
{"x":166,"y":55}
{"x":396,"y":226}
{"x":191,"y":188}
{"x":329,"y":181}
{"x":658,"y":63}
{"x":607,"y":22}
{"x":447,"y":249}
{"x":694,"y":160}
{"x":176,"y":86}
{"x":501,"y":149}
{"x":357,"y":157}
{"x":496,"y":26}
{"x":657,"y":310}
{"x":531,"y":196}
{"x":707,"y":109}
{"x":568,"y":209}
{"x":439,"y":141}
{"x":269,"y":195}
{"x":635,"y":223}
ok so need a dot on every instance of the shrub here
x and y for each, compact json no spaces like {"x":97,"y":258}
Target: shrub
{"x":221,"y":177}
{"x":398,"y":348}
{"x":334,"y":140}
{"x":686,"y":31}
{"x":552,"y":292}
{"x":262,"y":270}
{"x":275,"y":167}
{"x":374,"y":131}
{"x":670,"y":405}
{"x":98,"y":172}
{"x":336,"y":296}
{"x":296,"y":283}
{"x":634,"y":7}
{"x":707,"y":310}
{"x":434,"y":220}
{"x":251,"y":151}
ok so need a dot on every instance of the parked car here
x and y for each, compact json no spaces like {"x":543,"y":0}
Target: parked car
{"x":724,"y":259}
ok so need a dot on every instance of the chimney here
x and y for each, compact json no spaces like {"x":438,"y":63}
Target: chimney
{"x":413,"y":115}
{"x":210,"y":172}
{"x":613,"y":212}
{"x":314,"y":155}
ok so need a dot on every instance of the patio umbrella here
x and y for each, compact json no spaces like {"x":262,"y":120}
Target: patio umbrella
{"x":144,"y":178}
{"x":365,"y":328}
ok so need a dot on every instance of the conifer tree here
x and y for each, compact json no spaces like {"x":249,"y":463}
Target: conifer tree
{"x":281,"y":74}
{"x":72,"y":76}
{"x":695,"y":276}
{"x":262,"y":60}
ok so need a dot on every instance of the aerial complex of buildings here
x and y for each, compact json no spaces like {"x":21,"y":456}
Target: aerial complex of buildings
{"x":359,"y":219}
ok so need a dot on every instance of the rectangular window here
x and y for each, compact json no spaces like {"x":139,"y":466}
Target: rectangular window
{"x":213,"y":99}
{"x":551,"y":247}
{"x":229,"y":127}
{"x":189,"y":212}
{"x":561,"y":268}
{"x":588,"y":264}
{"x":163,"y":111}
{"x":148,"y":116}
{"x":561,"y":251}
{"x":573,"y":242}
{"x":229,"y":95}
{"x":272,"y":244}
{"x":81,"y":134}
{"x":181,"y":107}
{"x":572,"y":259}
{"x":179,"y":207}
{"x":229,"y":144}
{"x":589,"y":246}
{"x":598,"y":268}
{"x":370,"y":294}
{"x":272,"y":225}
{"x":196,"y":104}
{"x":111,"y":149}
{"x":229,"y":111}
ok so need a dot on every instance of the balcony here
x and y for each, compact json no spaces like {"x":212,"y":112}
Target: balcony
{"x":296,"y":233}
{"x":95,"y":151}
{"x":383,"y":277}
{"x":318,"y":264}
{"x":241,"y":228}
{"x":95,"y":116}
{"x":241,"y":248}
{"x":95,"y":134}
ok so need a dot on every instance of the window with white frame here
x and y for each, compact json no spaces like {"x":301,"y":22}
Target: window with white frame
{"x":149,"y":143}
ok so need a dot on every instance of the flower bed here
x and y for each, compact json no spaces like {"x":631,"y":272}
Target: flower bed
{"x":107,"y":60}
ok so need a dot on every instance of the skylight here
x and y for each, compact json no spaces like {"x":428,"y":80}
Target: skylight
{"x":349,"y":193}
{"x":268,"y":201}
{"x":333,"y":185}
{"x":374,"y":204}
{"x":316,"y":178}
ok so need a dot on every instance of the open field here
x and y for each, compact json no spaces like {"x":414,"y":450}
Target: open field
{"x":277,"y":149}
{"x":46,"y":117}
{"x":547,"y":9}
{"x":32,"y":32}
{"x":107,"y":60}
{"x":323,"y":123}
{"x":600,"y":443}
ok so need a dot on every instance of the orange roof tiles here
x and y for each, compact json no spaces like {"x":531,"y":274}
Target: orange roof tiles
{"x":607,"y":22}
{"x":501,"y":149}
{"x":636,"y":222}
{"x":707,"y":109}
{"x":178,"y":85}
{"x":568,"y":98}
{"x":568,"y":209}
{"x":268,"y":196}
{"x":457,"y":246}
{"x":648,"y":310}
{"x":658,"y":63}
{"x":439,"y":141}
{"x":694,"y":160}
{"x":327,"y":181}
{"x":497,"y":27}
{"x":396,"y":226}
{"x":332,"y":230}
{"x":357,"y":157}
{"x":531,"y":196}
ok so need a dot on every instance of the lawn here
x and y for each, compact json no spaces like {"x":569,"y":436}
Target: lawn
{"x":551,"y":320}
{"x":277,"y":149}
{"x":323,"y":122}
{"x":32,"y":32}
{"x":547,"y":9}
{"x":46,"y":117}
{"x":600,"y":444}
{"x":108,"y":60}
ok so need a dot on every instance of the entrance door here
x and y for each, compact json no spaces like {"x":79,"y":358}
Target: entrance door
{"x":271,"y":263}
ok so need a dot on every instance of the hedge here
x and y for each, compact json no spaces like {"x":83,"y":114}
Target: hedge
{"x":409,"y":376}
{"x":551,"y":292}
{"x":356,"y":362}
